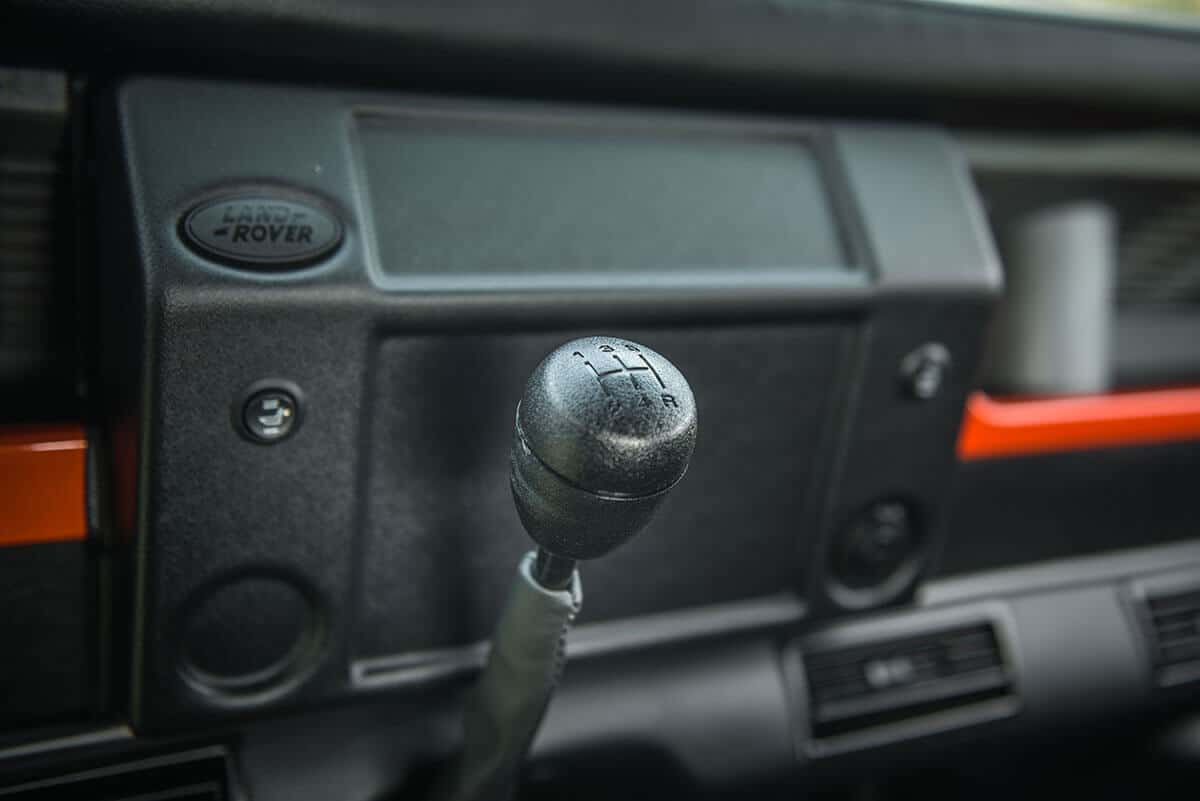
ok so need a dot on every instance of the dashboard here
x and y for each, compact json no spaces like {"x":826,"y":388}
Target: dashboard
{"x":273,"y":279}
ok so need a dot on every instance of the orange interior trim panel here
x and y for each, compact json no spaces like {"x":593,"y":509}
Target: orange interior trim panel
{"x":1011,"y":427}
{"x":42,"y":484}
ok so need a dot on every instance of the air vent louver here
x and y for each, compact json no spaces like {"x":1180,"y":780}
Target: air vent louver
{"x":1174,"y":623}
{"x":37,"y":319}
{"x":872,"y":685}
{"x":27,"y":191}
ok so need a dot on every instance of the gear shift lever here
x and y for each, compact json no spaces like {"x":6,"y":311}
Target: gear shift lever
{"x":604,"y":431}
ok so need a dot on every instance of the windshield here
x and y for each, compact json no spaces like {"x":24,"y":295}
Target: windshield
{"x":1157,"y":13}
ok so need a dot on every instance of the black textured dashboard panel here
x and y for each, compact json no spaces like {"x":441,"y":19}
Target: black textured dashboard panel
{"x":441,"y":525}
{"x":384,"y":518}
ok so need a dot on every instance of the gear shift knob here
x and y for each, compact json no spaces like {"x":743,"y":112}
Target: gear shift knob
{"x":605,"y":429}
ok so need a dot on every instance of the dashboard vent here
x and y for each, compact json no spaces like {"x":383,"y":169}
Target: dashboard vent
{"x":1149,"y":183}
{"x":1174,"y":629}
{"x":1157,"y":230}
{"x":27,"y":191}
{"x":862,"y":687}
{"x":37,"y":286}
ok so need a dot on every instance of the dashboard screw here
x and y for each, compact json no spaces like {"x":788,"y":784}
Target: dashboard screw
{"x":923,"y":371}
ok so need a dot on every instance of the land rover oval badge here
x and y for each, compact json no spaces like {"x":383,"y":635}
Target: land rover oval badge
{"x":262,"y":230}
